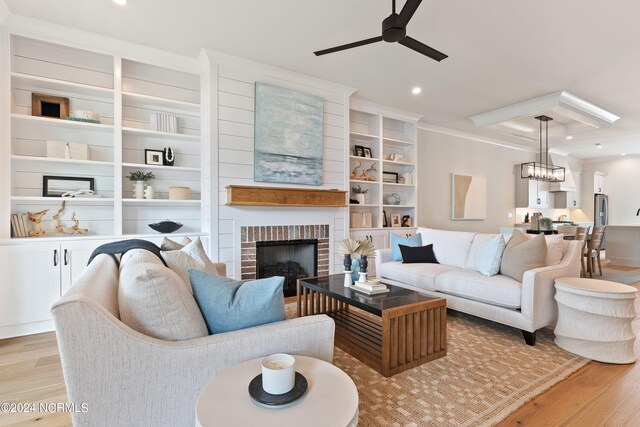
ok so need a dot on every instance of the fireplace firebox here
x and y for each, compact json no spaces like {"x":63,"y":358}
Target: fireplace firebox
{"x":292,"y":259}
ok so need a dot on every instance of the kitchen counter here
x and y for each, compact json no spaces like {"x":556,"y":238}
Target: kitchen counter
{"x":622,"y":244}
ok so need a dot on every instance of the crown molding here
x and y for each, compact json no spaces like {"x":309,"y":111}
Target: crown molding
{"x":472,"y":137}
{"x":58,"y":34}
{"x":273,"y":71}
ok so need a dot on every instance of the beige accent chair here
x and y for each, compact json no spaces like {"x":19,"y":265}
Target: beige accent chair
{"x":130,"y":379}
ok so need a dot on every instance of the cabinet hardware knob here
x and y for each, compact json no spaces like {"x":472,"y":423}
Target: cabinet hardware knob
{"x":574,"y":203}
{"x":55,"y":257}
{"x":66,"y":257}
{"x":538,"y":201}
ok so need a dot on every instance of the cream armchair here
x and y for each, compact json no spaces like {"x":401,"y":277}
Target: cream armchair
{"x":130,"y":379}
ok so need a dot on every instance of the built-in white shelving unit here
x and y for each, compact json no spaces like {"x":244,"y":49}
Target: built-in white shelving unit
{"x":125,"y":92}
{"x":390,"y":137}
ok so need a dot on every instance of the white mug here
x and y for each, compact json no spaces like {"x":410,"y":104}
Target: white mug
{"x":278,"y":373}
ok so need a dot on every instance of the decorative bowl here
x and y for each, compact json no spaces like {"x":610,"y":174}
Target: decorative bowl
{"x":166,"y":226}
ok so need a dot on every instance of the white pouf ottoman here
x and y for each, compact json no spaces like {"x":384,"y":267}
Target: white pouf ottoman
{"x":594,"y":319}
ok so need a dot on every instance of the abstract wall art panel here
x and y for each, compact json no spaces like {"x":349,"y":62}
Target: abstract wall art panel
{"x":468,"y":197}
{"x":288,"y":136}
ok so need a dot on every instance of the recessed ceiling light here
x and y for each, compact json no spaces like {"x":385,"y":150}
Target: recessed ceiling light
{"x":416,"y":90}
{"x":569,"y":136}
{"x":120,"y":2}
{"x":623,"y":154}
{"x":598,"y":145}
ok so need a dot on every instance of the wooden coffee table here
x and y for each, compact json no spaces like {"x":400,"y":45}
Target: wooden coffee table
{"x":389,"y":332}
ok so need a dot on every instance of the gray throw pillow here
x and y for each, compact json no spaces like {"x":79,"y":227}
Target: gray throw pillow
{"x":153,"y":300}
{"x":523,"y":254}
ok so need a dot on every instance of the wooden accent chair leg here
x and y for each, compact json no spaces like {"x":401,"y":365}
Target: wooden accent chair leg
{"x":583,"y":270}
{"x":599,"y":263}
{"x":529,"y":337}
{"x":590,"y":264}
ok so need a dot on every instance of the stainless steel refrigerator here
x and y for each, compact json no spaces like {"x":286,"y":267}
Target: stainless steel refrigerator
{"x":600,"y":210}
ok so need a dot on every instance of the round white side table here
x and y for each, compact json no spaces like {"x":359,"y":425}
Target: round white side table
{"x":594,"y":319}
{"x":331,"y":398}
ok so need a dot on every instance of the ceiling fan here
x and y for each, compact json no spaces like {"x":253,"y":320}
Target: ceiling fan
{"x":394,"y":29}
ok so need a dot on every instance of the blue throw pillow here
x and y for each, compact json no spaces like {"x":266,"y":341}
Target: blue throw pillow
{"x":228,"y":305}
{"x":396,"y":255}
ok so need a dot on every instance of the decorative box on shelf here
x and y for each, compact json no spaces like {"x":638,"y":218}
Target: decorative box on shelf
{"x":361,"y":219}
{"x":67,"y":150}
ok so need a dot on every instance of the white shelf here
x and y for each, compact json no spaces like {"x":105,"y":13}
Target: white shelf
{"x":58,"y":200}
{"x":399,"y":206}
{"x":140,"y":100}
{"x":160,"y":167}
{"x":364,"y":159}
{"x":366,"y":205}
{"x":395,"y":163}
{"x":399,"y":185}
{"x":164,"y":202}
{"x":360,"y":181}
{"x":71,"y":124}
{"x":158,"y":134}
{"x":38,"y":82}
{"x":58,"y":160}
{"x":397,"y":141}
{"x":363,"y":135}
{"x":158,"y":234}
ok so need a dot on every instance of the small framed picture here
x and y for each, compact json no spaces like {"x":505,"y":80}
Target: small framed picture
{"x":153,"y":157}
{"x":406,"y":221}
{"x":396,"y":220}
{"x":391,"y":177}
{"x":358,"y":151}
{"x":384,"y":219}
{"x":43,"y":105}
{"x":367,"y":152}
{"x":56,"y":186}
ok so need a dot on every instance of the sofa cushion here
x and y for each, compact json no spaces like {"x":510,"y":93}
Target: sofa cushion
{"x":396,"y":240}
{"x":523,"y":254}
{"x":191,"y":256}
{"x":154,"y":301}
{"x":450,"y":247}
{"x":555,"y":247}
{"x":488,"y":256}
{"x":478,"y":239}
{"x":412,"y":255}
{"x":171,"y":245}
{"x":497,"y":290}
{"x":229,"y":305}
{"x":419,"y":275}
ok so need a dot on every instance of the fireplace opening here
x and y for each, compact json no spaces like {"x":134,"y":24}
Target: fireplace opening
{"x":292,"y":259}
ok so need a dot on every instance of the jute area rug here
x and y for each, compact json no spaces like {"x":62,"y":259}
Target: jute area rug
{"x":488,"y":373}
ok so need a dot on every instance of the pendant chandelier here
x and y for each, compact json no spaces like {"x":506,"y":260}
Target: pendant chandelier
{"x":542,"y":170}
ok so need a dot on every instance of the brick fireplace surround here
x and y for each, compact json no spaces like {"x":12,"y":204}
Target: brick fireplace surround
{"x":252,"y":234}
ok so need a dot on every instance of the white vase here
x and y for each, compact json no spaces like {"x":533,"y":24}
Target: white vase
{"x":138,"y":190}
{"x":148,"y":192}
{"x":360,"y":198}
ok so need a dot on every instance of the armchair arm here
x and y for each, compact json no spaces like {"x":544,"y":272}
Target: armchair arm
{"x":538,"y":287}
{"x":382,"y":256}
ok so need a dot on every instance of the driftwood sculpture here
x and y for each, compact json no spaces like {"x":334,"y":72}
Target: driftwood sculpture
{"x":36,"y":219}
{"x":367,"y":174}
{"x":75,"y":229}
{"x":354,"y":172}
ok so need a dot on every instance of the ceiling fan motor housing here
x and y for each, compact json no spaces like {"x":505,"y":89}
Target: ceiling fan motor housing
{"x":392,"y":33}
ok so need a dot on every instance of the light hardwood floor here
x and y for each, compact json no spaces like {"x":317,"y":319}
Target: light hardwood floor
{"x":598,"y":395}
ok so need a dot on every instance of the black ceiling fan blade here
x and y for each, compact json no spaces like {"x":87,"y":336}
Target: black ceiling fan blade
{"x":348,"y":46}
{"x":407,"y":12}
{"x":423,"y":48}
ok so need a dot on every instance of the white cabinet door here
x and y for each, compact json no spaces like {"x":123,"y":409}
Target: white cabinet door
{"x":538,"y":194}
{"x":599,"y":184}
{"x":30,"y":282}
{"x":74,"y":257}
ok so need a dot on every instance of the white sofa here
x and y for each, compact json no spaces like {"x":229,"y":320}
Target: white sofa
{"x":126,"y":378}
{"x":528,"y":306}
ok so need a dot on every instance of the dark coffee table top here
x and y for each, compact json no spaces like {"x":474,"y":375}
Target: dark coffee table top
{"x":333,"y":286}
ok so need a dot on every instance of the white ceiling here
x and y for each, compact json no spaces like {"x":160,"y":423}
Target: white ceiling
{"x":500,"y":51}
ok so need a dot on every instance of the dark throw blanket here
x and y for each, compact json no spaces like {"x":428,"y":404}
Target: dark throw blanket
{"x":123,"y":246}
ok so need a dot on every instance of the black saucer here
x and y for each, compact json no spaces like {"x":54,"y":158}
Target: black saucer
{"x":258,"y":394}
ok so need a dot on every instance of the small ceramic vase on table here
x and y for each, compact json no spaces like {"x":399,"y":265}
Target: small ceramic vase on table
{"x":347,"y":270}
{"x":363,"y":269}
{"x":138,"y":190}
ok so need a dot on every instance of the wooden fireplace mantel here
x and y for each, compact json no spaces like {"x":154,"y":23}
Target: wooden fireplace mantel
{"x":242,"y":195}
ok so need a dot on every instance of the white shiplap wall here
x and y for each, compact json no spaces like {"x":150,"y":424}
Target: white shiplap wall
{"x":232,"y":135}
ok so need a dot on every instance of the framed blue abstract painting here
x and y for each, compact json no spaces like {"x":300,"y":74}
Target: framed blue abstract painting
{"x":288,"y":136}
